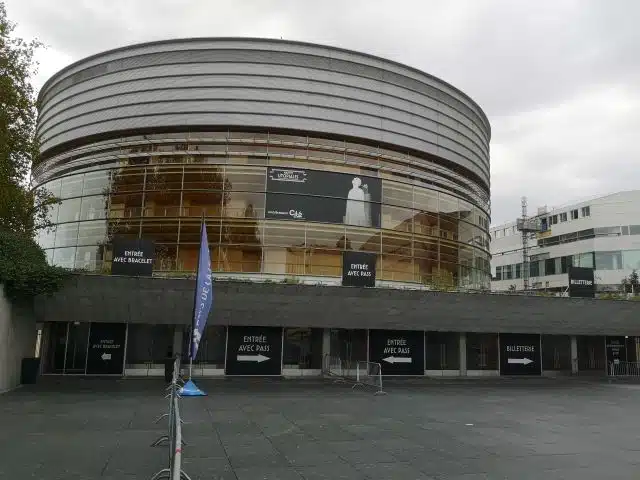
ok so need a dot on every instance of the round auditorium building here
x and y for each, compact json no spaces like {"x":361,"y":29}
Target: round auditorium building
{"x":301,"y":158}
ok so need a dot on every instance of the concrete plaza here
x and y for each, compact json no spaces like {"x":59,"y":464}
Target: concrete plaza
{"x":261,"y":429}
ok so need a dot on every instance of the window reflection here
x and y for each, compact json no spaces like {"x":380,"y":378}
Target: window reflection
{"x":302,"y":348}
{"x":130,"y":179}
{"x":96,"y":183}
{"x":88,"y":258}
{"x":94,"y":207}
{"x":92,"y":233}
{"x":67,"y":235}
{"x":71,"y":186}
{"x":69,"y":210}
{"x":64,"y":257}
{"x":427,"y":236}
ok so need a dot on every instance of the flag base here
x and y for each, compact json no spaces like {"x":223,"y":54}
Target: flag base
{"x":190,"y":390}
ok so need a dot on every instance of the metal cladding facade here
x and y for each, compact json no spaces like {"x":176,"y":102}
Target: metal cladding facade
{"x":132,"y":140}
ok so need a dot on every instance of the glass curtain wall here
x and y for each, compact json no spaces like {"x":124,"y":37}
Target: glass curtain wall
{"x":161,"y":190}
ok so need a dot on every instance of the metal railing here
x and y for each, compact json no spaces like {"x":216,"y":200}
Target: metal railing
{"x":332,"y":366}
{"x":174,"y":435}
{"x":624,"y":369}
{"x":366,"y":373}
{"x":369,"y":373}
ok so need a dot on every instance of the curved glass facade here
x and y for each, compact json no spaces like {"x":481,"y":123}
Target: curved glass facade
{"x":433,"y":221}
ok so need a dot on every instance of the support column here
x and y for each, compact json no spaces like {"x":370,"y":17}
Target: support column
{"x":177,"y":340}
{"x":326,"y":345}
{"x":574,"y":355}
{"x":463,"y":354}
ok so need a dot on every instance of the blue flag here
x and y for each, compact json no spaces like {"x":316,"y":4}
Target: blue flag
{"x":204,"y":293}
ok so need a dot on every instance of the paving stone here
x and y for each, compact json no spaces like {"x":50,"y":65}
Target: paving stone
{"x":315,"y":430}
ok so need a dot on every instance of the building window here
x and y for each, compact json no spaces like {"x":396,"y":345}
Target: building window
{"x":574,"y":214}
{"x":608,"y":260}
{"x":534,"y":269}
{"x":565,"y":263}
{"x":550,"y":266}
{"x":583,"y":260}
{"x":519,"y":270}
{"x":508,"y":272}
{"x":586,"y":211}
{"x":563,"y":217}
{"x":498,"y":273}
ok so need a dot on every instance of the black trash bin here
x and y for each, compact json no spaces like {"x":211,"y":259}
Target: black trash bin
{"x":30,"y":370}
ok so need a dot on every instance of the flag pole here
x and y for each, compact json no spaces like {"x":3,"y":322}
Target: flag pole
{"x":195,"y":301}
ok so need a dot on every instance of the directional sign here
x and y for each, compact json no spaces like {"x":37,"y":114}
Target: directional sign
{"x":254,"y":351}
{"x":106,"y":349}
{"x":520,"y":354}
{"x":399,"y":352}
{"x":616,"y":350}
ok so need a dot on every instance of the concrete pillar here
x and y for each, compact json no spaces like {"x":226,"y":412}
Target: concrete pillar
{"x":177,"y":340}
{"x":463,"y":354}
{"x":326,"y":341}
{"x":574,"y":355}
{"x":326,"y":347}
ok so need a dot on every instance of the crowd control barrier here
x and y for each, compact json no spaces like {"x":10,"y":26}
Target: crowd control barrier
{"x":369,"y":373}
{"x":366,"y":373}
{"x":174,"y":435}
{"x":624,"y":369}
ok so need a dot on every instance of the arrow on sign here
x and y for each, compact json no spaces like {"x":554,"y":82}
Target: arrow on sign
{"x":106,"y":356}
{"x":252,"y":358}
{"x":398,"y":359}
{"x":521,"y":361}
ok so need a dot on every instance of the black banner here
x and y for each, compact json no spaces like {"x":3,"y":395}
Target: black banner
{"x":616,"y":350}
{"x":581,"y":282}
{"x":328,"y":197}
{"x":520,"y":354}
{"x":398,"y":352}
{"x":358,"y":269}
{"x":132,"y":256}
{"x":106,"y":349}
{"x":254,"y":351}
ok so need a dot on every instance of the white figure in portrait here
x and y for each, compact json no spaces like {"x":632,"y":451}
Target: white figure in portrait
{"x":356,"y":210}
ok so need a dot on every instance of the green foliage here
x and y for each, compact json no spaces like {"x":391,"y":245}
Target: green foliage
{"x":22,"y":209}
{"x":24,"y":271}
{"x":631,"y":284}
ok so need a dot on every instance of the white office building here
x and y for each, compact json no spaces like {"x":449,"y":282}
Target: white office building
{"x":603,"y":233}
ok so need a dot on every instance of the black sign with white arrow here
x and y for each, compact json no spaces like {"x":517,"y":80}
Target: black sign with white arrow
{"x":106,"y":349}
{"x":520,"y":354}
{"x":399,"y":352}
{"x":254,"y":351}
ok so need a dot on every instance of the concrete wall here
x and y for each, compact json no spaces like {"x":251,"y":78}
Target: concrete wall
{"x":17,"y":340}
{"x":93,"y":298}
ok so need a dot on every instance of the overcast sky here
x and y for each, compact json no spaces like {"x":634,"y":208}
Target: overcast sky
{"x":558,"y":79}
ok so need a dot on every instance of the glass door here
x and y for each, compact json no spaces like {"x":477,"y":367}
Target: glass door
{"x":57,"y":342}
{"x":76,"y":356}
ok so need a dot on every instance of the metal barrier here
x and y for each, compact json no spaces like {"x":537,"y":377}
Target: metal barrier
{"x":332,"y":366}
{"x":174,"y":435}
{"x":624,"y":369}
{"x":369,"y":373}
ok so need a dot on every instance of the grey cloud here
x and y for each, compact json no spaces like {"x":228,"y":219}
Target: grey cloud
{"x":535,"y":67}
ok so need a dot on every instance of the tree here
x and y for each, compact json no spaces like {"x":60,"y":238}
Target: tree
{"x":22,"y":209}
{"x":631,"y":284}
{"x":24,"y":271}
